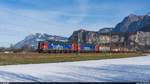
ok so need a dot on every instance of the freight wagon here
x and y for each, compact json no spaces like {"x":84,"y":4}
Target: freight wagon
{"x":66,"y":47}
{"x":104,"y":48}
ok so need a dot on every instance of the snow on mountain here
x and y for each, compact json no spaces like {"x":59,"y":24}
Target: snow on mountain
{"x":148,"y":14}
{"x":33,"y":39}
{"x":105,"y":30}
{"x":135,"y":69}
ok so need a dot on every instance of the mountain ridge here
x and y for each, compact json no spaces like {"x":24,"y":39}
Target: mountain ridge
{"x":132,"y":23}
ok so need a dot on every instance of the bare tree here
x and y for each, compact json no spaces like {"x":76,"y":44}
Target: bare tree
{"x":2,"y":49}
{"x":12,"y":48}
{"x":27,"y":48}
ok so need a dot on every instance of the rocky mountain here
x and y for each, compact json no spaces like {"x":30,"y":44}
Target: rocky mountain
{"x":145,"y":28}
{"x":132,"y":23}
{"x":34,"y":38}
{"x":84,"y":36}
{"x":132,"y":32}
{"x":139,"y":24}
{"x":129,"y":24}
{"x":105,"y":30}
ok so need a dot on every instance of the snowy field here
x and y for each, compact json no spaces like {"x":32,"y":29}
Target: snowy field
{"x":135,"y":69}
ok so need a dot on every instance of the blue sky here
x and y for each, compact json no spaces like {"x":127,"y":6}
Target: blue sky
{"x":19,"y":18}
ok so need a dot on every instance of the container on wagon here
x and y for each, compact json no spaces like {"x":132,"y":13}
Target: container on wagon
{"x":87,"y":47}
{"x":104,"y":48}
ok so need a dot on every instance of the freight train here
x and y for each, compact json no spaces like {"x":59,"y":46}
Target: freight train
{"x":68,"y":47}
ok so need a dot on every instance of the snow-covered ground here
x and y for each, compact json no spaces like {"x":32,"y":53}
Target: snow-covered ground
{"x":135,"y":69}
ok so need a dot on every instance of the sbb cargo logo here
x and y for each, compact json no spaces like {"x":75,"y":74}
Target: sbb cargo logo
{"x":87,"y":48}
{"x":55,"y":46}
{"x":58,"y":47}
